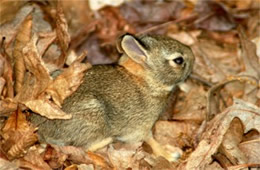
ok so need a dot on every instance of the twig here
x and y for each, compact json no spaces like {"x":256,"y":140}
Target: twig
{"x":200,"y":79}
{"x":193,"y":16}
{"x":212,"y":90}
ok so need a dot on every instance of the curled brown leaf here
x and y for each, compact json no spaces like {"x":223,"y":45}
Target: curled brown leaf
{"x":35,"y":65}
{"x":212,"y":138}
{"x":25,"y":141}
{"x":23,"y":36}
{"x":34,"y":160}
{"x":249,"y":55}
{"x":54,"y":158}
{"x":2,"y":84}
{"x":46,"y":108}
{"x":251,"y":149}
{"x":232,"y":138}
{"x":4,"y":164}
{"x":7,"y":106}
{"x":18,"y":135}
{"x":98,"y":160}
{"x":67,"y":82}
{"x":62,"y":33}
{"x":6,"y":71}
{"x":36,"y":80}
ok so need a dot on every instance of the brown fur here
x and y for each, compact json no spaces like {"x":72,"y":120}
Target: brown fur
{"x":120,"y":102}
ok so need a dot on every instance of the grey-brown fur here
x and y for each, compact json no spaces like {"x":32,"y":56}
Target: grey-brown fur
{"x":114,"y":101}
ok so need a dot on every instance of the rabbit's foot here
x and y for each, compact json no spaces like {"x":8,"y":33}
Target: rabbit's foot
{"x":159,"y":150}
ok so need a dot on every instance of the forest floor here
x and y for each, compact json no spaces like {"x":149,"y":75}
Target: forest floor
{"x":214,"y":117}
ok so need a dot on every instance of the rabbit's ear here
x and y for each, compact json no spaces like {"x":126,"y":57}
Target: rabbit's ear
{"x":133,"y":49}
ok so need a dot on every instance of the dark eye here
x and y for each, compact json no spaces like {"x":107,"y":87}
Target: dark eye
{"x":179,"y":60}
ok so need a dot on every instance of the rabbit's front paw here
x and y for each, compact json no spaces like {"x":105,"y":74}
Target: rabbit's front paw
{"x":172,"y":154}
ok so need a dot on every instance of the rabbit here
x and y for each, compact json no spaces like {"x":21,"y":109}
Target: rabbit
{"x":122,"y":102}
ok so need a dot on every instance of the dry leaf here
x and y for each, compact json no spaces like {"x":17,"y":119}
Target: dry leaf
{"x":78,"y":155}
{"x":23,"y":36}
{"x":78,"y":20}
{"x":7,"y":73}
{"x":17,"y":121}
{"x":85,"y":167}
{"x":29,"y":90}
{"x":35,"y":65}
{"x":67,"y":82}
{"x":62,"y":29}
{"x":214,"y":16}
{"x":187,"y":38}
{"x":110,"y":24}
{"x":80,"y":167}
{"x":242,"y":5}
{"x":75,"y":167}
{"x":249,"y":55}
{"x":257,"y":43}
{"x":7,"y":106}
{"x":62,"y":32}
{"x":54,"y":158}
{"x":46,"y":108}
{"x":222,"y":160}
{"x":252,"y":65}
{"x":231,"y":140}
{"x":7,"y":165}
{"x":33,"y":160}
{"x":213,"y":102}
{"x":194,"y":106}
{"x":19,"y":148}
{"x":99,"y":160}
{"x":2,"y":84}
{"x":244,"y":166}
{"x":218,"y":61}
{"x":51,"y":56}
{"x":45,"y":41}
{"x":212,"y":138}
{"x":18,"y":135}
{"x":214,"y":166}
{"x":151,"y":11}
{"x":125,"y":157}
{"x":174,"y":133}
{"x":251,"y":149}
{"x":9,"y":9}
{"x":105,"y":25}
{"x":224,"y":37}
{"x":75,"y":154}
{"x":72,"y":56}
{"x":37,"y":84}
{"x":162,"y":163}
{"x":2,"y":66}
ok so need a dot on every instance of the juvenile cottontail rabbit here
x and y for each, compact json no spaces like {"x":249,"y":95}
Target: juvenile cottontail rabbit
{"x":122,"y":102}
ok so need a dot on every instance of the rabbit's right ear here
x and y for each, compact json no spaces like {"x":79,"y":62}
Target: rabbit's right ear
{"x":133,"y":49}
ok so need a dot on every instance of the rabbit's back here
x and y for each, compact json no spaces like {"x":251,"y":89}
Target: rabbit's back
{"x":114,"y":108}
{"x":125,"y":100}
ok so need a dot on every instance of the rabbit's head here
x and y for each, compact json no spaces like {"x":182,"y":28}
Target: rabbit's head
{"x":162,"y":58}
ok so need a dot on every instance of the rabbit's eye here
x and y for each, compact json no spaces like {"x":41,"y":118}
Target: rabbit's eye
{"x":179,"y":60}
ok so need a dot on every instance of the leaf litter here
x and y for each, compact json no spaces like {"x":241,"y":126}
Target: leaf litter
{"x":214,"y":119}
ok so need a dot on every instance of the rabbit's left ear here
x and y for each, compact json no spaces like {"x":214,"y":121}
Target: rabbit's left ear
{"x":133,"y":49}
